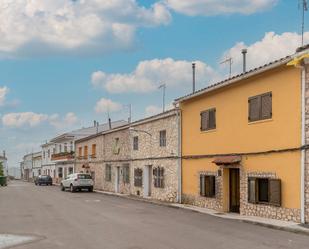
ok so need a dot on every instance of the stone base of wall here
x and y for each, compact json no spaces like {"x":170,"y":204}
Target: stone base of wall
{"x":204,"y":202}
{"x":270,"y":212}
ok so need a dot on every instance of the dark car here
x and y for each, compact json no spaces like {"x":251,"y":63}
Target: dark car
{"x":43,"y":180}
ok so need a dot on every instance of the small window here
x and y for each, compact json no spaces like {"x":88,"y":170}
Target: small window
{"x":208,"y":120}
{"x":65,"y":148}
{"x":264,"y":190}
{"x":116,"y":147}
{"x":126,"y":173}
{"x":135,"y":143}
{"x":85,"y":151}
{"x":59,"y":173}
{"x":70,"y":170}
{"x":80,"y":152}
{"x":158,"y":174}
{"x":207,"y":186}
{"x":260,"y":107}
{"x":108,"y":172}
{"x":163,"y":138}
{"x":138,"y":177}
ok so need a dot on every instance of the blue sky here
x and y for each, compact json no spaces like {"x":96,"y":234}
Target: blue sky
{"x":56,"y":66}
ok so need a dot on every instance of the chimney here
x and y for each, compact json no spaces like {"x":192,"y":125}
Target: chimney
{"x":4,"y":153}
{"x":244,"y":54}
{"x":193,"y":77}
{"x":110,"y":123}
{"x":94,"y":123}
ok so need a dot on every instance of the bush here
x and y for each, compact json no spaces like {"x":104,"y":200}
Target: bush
{"x":1,"y":169}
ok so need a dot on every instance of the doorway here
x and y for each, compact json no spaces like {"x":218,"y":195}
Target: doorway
{"x":234,"y":190}
{"x":117,"y":179}
{"x":147,"y":180}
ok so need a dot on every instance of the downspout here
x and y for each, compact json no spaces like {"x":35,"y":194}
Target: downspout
{"x":303,"y":142}
{"x":179,"y":171}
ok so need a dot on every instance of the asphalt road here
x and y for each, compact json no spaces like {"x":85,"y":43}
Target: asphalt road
{"x":97,"y":221}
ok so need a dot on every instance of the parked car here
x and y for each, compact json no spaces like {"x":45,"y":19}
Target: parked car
{"x":43,"y":180}
{"x":77,"y":181}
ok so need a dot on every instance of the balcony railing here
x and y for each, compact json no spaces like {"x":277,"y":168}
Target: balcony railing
{"x":63,"y":156}
{"x":89,"y":157}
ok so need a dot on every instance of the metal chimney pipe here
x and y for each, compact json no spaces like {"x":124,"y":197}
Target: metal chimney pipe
{"x":244,"y":55}
{"x":193,"y":77}
{"x":110,"y":123}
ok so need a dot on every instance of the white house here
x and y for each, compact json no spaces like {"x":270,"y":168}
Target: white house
{"x":58,"y":154}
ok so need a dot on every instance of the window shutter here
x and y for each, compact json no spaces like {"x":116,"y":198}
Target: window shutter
{"x":212,"y":186}
{"x":275,"y":192}
{"x":254,"y":108}
{"x":202,"y":185}
{"x":161,"y":177}
{"x":252,"y":193}
{"x":204,"y":120}
{"x":266,"y":110}
{"x":212,"y":119}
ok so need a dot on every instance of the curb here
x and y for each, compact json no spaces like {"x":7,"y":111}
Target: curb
{"x":297,"y":230}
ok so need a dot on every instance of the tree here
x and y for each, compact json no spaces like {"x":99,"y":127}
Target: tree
{"x":1,"y":169}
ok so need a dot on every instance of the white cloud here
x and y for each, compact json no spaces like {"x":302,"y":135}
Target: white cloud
{"x":151,"y":73}
{"x":215,"y":7}
{"x":31,"y":119}
{"x":3,"y":92}
{"x":271,"y":47}
{"x":107,"y":105}
{"x":74,"y":25}
{"x":153,"y":109}
{"x":23,"y":119}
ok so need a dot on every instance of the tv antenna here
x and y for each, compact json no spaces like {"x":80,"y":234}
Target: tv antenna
{"x":230,"y":61}
{"x":303,"y":4}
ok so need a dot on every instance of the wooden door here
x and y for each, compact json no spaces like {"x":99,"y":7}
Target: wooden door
{"x":234,"y":190}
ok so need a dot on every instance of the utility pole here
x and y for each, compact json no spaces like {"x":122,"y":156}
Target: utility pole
{"x":304,"y":7}
{"x":163,"y":86}
{"x":230,"y":61}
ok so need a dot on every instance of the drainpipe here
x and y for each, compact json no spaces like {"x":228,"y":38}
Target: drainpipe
{"x":303,"y":142}
{"x":179,"y":171}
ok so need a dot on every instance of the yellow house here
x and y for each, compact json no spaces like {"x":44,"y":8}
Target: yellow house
{"x":243,"y":143}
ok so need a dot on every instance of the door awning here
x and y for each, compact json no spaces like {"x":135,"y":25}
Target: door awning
{"x":227,"y":160}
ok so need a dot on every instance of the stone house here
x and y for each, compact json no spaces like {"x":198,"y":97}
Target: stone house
{"x":245,"y":142}
{"x":154,"y":155}
{"x":140,"y":158}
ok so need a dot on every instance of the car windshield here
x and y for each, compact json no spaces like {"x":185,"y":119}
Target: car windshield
{"x":84,"y":176}
{"x":45,"y":177}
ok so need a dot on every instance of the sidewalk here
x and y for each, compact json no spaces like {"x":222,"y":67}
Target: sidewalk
{"x":270,"y":223}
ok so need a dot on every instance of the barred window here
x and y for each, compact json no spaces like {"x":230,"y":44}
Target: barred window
{"x":108,"y":172}
{"x":158,"y":175}
{"x":126,"y":173}
{"x":163,"y":138}
{"x":138,"y":177}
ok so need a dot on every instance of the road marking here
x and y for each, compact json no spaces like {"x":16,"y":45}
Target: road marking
{"x":8,"y":240}
{"x":92,"y":200}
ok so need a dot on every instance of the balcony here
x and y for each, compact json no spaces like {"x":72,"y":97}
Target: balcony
{"x":64,"y":156}
{"x":87,"y":157}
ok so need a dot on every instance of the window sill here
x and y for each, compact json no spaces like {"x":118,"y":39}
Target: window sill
{"x":208,"y":131}
{"x":264,"y":204}
{"x":260,"y":121}
{"x":208,"y":197}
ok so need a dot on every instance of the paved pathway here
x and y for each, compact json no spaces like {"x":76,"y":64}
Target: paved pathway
{"x":97,"y":221}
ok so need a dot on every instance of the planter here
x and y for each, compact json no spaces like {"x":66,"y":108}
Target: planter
{"x":3,"y":181}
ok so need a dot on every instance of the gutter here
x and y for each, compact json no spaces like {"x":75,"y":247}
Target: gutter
{"x":303,"y":141}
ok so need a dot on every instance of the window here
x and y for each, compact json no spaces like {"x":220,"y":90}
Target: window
{"x":116,"y":148}
{"x":44,"y":154}
{"x":48,"y":153}
{"x":71,"y":146}
{"x":70,"y":170}
{"x":163,"y":138}
{"x":207,"y":186}
{"x":138,"y":177}
{"x":85,"y":151}
{"x":158,"y":174}
{"x":54,"y":150}
{"x":60,"y":149}
{"x":260,"y":107}
{"x":135,"y":143}
{"x":80,"y":152}
{"x":108,"y":172}
{"x":94,"y":150}
{"x":126,"y":173}
{"x":208,"y":120}
{"x":264,"y":190}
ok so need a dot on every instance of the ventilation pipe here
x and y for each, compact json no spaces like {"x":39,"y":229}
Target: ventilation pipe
{"x":110,"y":123}
{"x":244,"y":55}
{"x":193,"y":77}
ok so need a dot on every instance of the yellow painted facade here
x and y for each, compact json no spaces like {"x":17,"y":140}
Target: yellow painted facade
{"x":235,"y":134}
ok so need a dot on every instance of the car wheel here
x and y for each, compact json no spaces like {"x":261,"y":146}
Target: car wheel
{"x":72,"y":189}
{"x":35,"y":184}
{"x":39,"y":184}
{"x":90,"y":189}
{"x":62,"y":188}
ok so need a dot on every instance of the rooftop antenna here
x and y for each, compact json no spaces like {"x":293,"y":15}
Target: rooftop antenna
{"x":163,"y":86}
{"x":130,"y":112}
{"x":303,"y":4}
{"x":230,"y":61}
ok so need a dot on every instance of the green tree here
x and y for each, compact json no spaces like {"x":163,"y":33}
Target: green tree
{"x":1,"y":169}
